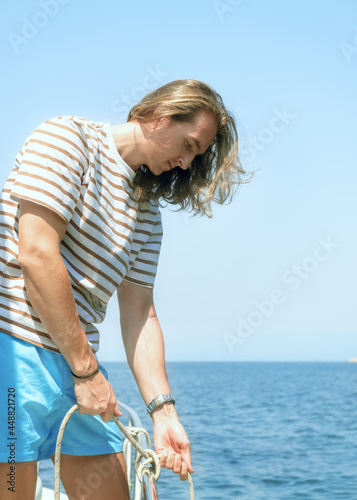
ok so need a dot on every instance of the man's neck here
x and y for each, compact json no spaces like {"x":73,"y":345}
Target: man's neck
{"x":128,"y":140}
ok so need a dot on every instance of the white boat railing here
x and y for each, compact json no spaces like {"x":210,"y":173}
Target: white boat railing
{"x":145,"y":489}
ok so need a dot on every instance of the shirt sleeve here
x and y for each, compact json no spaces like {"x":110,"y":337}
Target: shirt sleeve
{"x":51,"y":166}
{"x":144,"y":256}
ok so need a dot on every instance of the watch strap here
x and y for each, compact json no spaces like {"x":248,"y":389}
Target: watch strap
{"x":158,"y":401}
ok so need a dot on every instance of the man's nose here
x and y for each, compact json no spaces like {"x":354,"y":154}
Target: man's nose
{"x":185,"y":161}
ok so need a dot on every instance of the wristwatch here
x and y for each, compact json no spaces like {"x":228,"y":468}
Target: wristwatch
{"x":160,"y":400}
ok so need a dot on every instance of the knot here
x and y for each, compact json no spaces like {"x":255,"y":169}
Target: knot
{"x":142,"y":468}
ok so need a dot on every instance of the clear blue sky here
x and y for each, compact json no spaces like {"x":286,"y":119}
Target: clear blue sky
{"x":272,"y":276}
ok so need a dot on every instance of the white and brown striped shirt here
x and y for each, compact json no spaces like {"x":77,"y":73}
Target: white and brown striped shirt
{"x":71,"y":165}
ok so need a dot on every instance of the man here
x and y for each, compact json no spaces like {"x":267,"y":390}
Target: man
{"x":80,"y":219}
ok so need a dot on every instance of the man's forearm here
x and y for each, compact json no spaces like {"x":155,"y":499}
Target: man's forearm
{"x":50,"y":293}
{"x":144,"y":346}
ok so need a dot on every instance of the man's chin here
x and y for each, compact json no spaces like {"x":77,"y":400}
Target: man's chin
{"x":156,"y":170}
{"x":153,"y":171}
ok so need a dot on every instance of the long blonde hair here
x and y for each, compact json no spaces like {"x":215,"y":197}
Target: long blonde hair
{"x":212,"y":177}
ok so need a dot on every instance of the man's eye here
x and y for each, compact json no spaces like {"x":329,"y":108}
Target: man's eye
{"x":189,"y":146}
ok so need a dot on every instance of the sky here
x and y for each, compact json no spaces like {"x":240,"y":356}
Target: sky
{"x":272,"y":275}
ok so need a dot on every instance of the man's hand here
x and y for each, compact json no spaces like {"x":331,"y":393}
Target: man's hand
{"x":171,"y":442}
{"x":95,"y":396}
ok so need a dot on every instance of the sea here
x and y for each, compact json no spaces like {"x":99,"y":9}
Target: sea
{"x":258,"y":430}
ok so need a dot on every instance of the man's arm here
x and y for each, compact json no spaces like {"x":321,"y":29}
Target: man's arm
{"x":49,"y":290}
{"x":144,"y":346}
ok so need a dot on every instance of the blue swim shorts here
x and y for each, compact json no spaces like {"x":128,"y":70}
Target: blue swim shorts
{"x":36,"y":391}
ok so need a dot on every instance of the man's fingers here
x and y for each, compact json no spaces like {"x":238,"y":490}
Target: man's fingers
{"x":170,"y":460}
{"x":107,"y":415}
{"x":184,"y":473}
{"x":163,"y":458}
{"x":174,"y":461}
{"x":117,"y":411}
{"x":177,"y":464}
{"x":186,"y":457}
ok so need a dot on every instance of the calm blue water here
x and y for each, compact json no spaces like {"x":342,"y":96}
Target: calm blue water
{"x":276,"y":431}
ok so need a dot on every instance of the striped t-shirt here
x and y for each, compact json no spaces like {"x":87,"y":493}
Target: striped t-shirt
{"x":71,"y":165}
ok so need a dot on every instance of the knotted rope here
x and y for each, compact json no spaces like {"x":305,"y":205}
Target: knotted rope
{"x":150,"y":466}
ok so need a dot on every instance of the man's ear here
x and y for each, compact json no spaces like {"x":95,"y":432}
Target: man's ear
{"x":160,"y":122}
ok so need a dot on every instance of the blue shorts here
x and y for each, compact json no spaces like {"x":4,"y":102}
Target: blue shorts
{"x":36,"y":391}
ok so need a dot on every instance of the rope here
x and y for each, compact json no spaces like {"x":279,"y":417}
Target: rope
{"x":150,"y":466}
{"x":135,"y":432}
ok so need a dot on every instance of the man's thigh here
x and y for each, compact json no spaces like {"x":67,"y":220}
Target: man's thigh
{"x":95,"y":477}
{"x":18,"y":482}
